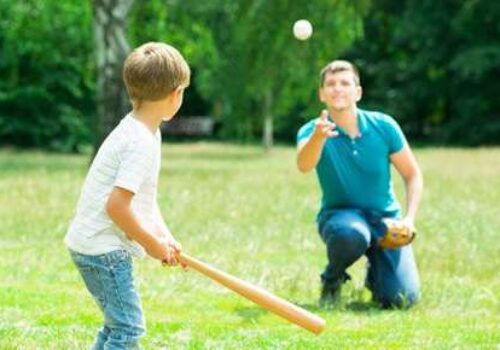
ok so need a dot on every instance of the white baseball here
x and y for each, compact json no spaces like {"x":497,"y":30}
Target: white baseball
{"x":302,"y":29}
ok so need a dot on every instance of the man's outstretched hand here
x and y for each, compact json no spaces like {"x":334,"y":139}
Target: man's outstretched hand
{"x":325,"y":128}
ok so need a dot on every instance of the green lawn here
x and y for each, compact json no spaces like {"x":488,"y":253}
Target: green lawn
{"x":251,"y":214}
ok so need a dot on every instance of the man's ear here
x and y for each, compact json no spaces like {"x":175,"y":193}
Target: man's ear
{"x":320,"y":95}
{"x":360,"y":94}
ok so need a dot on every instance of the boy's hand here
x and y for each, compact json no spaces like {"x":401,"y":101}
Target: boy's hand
{"x":174,"y":249}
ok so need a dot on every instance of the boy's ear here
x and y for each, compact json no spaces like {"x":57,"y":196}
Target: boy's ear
{"x":174,"y":93}
{"x":178,"y":91}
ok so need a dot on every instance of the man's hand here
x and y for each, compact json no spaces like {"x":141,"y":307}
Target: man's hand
{"x":309,"y":150}
{"x":398,"y":233}
{"x":324,"y":128}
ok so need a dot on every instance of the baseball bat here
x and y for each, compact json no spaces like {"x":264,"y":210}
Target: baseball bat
{"x":260,"y":296}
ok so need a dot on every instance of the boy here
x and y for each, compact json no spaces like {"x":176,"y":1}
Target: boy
{"x":117,"y":214}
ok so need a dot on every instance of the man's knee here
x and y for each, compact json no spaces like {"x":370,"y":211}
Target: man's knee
{"x":351,"y":237}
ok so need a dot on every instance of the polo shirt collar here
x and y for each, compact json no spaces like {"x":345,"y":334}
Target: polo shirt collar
{"x":362,"y":123}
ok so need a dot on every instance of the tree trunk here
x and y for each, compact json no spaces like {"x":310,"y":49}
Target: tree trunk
{"x":267,"y":133}
{"x":112,"y":49}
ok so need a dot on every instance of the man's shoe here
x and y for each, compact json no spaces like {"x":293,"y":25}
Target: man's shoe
{"x":330,"y":294}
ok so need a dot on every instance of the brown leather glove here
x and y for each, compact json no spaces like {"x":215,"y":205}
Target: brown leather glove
{"x":397,"y":234}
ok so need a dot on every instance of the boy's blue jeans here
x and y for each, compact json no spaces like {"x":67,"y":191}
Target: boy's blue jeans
{"x":109,"y":279}
{"x":351,"y":233}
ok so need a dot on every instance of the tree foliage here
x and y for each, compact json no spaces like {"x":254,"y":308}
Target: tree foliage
{"x":432,"y":64}
{"x":47,"y":83}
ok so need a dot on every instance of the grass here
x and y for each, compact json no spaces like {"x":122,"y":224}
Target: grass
{"x":251,"y":214}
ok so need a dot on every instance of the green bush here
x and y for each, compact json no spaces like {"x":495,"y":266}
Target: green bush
{"x":47,"y":65}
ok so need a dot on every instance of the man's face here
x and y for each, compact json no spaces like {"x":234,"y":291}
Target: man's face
{"x":339,"y":91}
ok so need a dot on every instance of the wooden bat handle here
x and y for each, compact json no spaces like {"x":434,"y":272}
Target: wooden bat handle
{"x":258,"y":295}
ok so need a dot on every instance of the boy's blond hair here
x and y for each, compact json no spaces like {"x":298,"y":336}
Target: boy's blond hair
{"x":153,"y":70}
{"x":339,"y":66}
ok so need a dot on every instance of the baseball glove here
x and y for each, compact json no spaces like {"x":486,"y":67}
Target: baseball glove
{"x":397,"y":234}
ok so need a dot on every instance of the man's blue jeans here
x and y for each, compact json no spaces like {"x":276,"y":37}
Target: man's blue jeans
{"x":351,"y":233}
{"x":109,"y":279}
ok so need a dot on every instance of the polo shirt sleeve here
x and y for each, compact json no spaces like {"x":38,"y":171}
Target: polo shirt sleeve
{"x":136,"y":163}
{"x":305,"y":131}
{"x":394,"y":135}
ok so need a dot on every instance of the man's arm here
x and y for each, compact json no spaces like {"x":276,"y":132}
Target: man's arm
{"x":118,"y":207}
{"x":405,"y":163}
{"x":309,"y":150}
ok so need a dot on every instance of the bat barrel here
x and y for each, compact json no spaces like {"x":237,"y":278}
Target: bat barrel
{"x":260,"y":296}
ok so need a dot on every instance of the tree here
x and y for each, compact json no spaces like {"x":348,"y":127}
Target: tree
{"x":431,"y":63}
{"x":111,"y":49}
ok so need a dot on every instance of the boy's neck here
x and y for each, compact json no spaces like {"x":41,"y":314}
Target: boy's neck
{"x":149,"y":116}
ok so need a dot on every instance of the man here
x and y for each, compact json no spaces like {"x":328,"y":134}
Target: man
{"x":352,"y":150}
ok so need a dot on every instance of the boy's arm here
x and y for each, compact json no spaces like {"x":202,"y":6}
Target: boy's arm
{"x":118,"y":207}
{"x":164,"y":233}
{"x":161,"y":227}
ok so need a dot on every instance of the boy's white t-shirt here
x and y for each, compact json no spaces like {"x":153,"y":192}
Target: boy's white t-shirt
{"x":129,"y":158}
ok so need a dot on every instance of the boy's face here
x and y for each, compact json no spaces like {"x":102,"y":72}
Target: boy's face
{"x":340,"y":91}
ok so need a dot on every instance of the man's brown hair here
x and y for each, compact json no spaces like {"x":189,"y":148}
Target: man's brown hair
{"x":339,"y":66}
{"x":154,"y":70}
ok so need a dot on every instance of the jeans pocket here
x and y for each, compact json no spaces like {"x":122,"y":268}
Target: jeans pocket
{"x":94,"y":283}
{"x":122,"y":271}
{"x":118,"y":259}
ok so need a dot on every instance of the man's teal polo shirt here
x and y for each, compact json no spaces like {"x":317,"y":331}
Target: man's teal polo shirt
{"x":356,"y":173}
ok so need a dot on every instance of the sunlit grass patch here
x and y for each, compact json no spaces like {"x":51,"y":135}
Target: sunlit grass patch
{"x":251,"y":214}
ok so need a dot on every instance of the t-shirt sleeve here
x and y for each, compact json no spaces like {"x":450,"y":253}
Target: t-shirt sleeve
{"x":137,"y":161}
{"x":395,"y":137}
{"x":305,"y":131}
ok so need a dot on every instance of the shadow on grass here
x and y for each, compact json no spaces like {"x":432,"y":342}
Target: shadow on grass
{"x":252,"y":314}
{"x":362,"y":306}
{"x":353,"y":306}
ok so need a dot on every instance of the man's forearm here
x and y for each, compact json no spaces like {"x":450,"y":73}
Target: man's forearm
{"x":414,"y":189}
{"x":309,"y":153}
